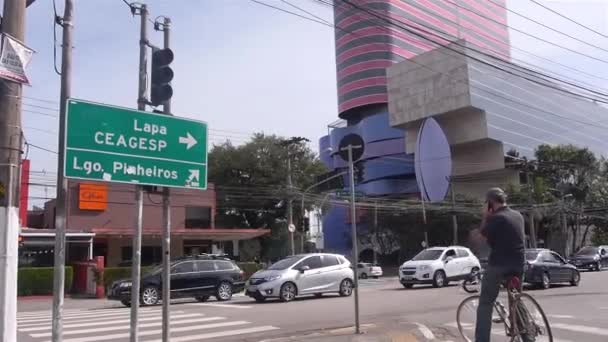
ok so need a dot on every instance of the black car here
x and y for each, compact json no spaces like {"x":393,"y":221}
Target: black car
{"x":545,"y":267}
{"x":591,"y":258}
{"x":200,"y":277}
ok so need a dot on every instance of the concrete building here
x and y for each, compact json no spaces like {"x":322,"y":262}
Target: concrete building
{"x":106,"y":213}
{"x":366,"y":45}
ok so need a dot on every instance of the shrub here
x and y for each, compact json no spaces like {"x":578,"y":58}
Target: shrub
{"x":249,"y":268}
{"x":39,"y":280}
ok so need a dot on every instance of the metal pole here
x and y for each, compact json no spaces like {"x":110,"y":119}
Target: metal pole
{"x":353,"y":226}
{"x":62,"y":185}
{"x":426,"y":233}
{"x":531,"y":213}
{"x":454,"y":218}
{"x":290,"y":204}
{"x":9,"y":251}
{"x":166,"y":222}
{"x":141,"y":105}
{"x":375,"y":243}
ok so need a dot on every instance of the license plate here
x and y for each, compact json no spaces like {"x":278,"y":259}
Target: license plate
{"x":408,"y":277}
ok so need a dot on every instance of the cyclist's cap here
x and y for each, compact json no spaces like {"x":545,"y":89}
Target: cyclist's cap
{"x":496,"y":195}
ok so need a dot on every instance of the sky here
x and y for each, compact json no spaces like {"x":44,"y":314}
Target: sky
{"x":243,"y":67}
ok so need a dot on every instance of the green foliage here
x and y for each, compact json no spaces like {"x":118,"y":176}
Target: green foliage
{"x":251,"y":184}
{"x":249,"y":268}
{"x":39,"y":280}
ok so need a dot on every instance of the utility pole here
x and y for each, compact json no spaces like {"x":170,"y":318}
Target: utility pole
{"x":141,"y":105}
{"x":166,"y":247}
{"x":426,"y":233}
{"x":290,"y":204}
{"x":531,"y":212}
{"x":13,"y":23}
{"x":375,"y":241}
{"x":454,"y":218}
{"x":62,"y":185}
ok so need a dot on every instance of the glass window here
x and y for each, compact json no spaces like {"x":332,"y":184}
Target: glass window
{"x":330,"y":260}
{"x":558,"y":258}
{"x":588,"y":251}
{"x":223,"y":265}
{"x":428,"y":254}
{"x":285,"y":263}
{"x":531,"y":255}
{"x":462,"y":253}
{"x":198,"y":217}
{"x":184,"y":267}
{"x":205,"y":265}
{"x":548,"y":257}
{"x":450,"y":253}
{"x":312,"y":262}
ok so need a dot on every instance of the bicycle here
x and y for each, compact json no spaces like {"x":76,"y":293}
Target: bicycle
{"x":520,"y":323}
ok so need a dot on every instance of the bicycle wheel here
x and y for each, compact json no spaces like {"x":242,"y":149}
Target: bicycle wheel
{"x":532,"y":321}
{"x":466,"y":320}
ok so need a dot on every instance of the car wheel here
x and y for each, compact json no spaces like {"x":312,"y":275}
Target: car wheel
{"x":408,"y":286}
{"x":224,"y":291}
{"x":346,"y":288}
{"x":288,"y":292}
{"x":439,"y":279}
{"x":150,"y":296}
{"x":545,"y":282}
{"x":318,"y":295}
{"x":202,"y":299}
{"x":126,"y":303}
{"x":363,"y":276}
{"x":576,"y":278}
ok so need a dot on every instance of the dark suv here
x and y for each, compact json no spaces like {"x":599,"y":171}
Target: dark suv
{"x":200,"y":277}
{"x":590,"y":257}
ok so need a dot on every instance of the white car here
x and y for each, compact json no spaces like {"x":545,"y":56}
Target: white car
{"x":438,"y":266}
{"x":366,"y":270}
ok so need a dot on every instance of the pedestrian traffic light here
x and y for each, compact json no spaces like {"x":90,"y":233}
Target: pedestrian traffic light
{"x":161,"y":90}
{"x":305,"y":224}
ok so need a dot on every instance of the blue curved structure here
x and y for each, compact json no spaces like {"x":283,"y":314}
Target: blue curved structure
{"x":386,"y":170}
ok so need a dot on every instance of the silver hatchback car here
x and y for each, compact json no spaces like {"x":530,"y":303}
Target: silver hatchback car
{"x":304,"y":274}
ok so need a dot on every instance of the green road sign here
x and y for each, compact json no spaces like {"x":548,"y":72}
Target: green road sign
{"x":113,"y":144}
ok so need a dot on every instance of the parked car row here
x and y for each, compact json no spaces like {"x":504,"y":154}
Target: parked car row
{"x":203,"y":276}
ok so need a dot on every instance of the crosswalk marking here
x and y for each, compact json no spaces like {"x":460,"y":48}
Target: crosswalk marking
{"x":155,"y":332}
{"x":81,"y":317}
{"x":68,"y":313}
{"x":230,"y":306}
{"x":221,"y":334}
{"x":581,"y":329}
{"x":126,"y":327}
{"x":118,"y":321}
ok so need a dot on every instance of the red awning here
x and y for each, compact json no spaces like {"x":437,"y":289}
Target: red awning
{"x":216,"y":234}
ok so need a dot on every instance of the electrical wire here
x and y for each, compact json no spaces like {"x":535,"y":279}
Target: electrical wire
{"x":41,"y":148}
{"x":569,"y":19}
{"x":545,"y":26}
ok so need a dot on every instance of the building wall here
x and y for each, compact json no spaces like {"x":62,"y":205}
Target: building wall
{"x":366,"y":44}
{"x":120,"y":211}
{"x":115,"y":245}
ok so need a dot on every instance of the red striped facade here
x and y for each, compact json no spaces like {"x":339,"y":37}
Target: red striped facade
{"x":366,"y":44}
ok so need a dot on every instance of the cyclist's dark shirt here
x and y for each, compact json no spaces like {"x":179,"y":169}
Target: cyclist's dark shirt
{"x":504,"y":231}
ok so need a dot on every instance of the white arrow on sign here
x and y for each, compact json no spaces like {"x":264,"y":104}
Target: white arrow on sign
{"x":188,"y":140}
{"x":193,"y":179}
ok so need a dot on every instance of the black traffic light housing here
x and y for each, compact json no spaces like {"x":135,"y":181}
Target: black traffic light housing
{"x":161,"y":90}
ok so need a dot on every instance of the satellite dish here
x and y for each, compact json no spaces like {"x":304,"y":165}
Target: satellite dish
{"x":432,"y":161}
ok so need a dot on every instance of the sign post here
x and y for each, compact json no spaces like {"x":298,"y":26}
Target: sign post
{"x":112,"y":144}
{"x":351,"y":149}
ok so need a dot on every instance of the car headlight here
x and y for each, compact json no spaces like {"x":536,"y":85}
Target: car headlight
{"x":125,"y":284}
{"x":271,"y":278}
{"x":424,"y":267}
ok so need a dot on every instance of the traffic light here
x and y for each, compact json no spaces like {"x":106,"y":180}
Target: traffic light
{"x":161,"y":90}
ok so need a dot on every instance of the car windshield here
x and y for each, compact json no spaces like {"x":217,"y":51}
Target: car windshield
{"x":155,"y":269}
{"x":587,"y":251}
{"x":285,"y":263}
{"x":428,"y":254}
{"x":531,"y":255}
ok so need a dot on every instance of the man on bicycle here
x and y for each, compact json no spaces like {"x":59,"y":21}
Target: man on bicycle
{"x":503,"y":229}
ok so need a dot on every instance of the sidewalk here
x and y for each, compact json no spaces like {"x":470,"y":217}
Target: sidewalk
{"x":380,"y":332}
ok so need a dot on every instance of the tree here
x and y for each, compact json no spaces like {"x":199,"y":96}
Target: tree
{"x":251,"y":186}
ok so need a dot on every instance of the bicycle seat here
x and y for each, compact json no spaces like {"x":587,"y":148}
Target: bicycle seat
{"x":513,"y":282}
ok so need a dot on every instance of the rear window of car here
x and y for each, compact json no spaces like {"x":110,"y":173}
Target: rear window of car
{"x":330,"y":260}
{"x":205,"y":265}
{"x":429,"y":254}
{"x":184,"y":267}
{"x":223,"y":265}
{"x":462,"y":253}
{"x":531,"y":255}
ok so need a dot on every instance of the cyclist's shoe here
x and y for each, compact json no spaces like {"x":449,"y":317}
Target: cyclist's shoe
{"x":497,"y":320}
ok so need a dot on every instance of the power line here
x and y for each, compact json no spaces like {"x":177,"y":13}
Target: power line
{"x":41,"y":148}
{"x":545,"y":26}
{"x":289,"y":12}
{"x":569,"y":19}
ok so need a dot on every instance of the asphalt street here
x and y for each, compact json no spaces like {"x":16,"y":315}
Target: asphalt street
{"x":575,"y":314}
